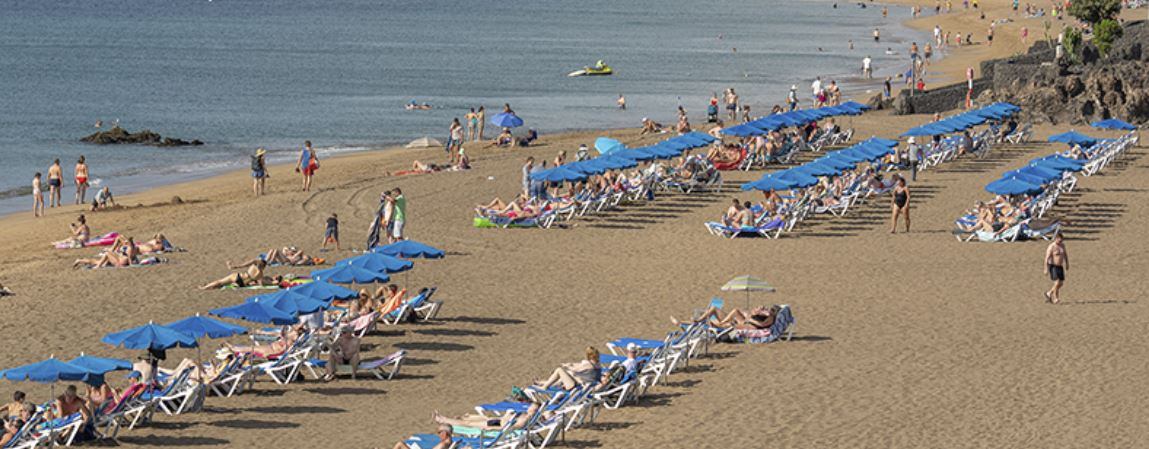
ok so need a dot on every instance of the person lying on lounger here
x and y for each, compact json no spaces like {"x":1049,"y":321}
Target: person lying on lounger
{"x":571,"y":375}
{"x":285,"y":338}
{"x":445,"y":441}
{"x":482,"y":422}
{"x":207,"y":372}
{"x":758,"y":318}
{"x":519,"y":208}
{"x":253,"y":276}
{"x":122,"y":253}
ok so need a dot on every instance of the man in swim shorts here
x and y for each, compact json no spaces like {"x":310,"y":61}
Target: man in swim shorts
{"x":1056,"y":263}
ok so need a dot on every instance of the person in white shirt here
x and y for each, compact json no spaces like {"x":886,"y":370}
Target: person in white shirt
{"x":867,"y":67}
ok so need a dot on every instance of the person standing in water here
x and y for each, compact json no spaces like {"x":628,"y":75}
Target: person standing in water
{"x":37,"y":196}
{"x":901,"y":196}
{"x":471,"y":117}
{"x":81,"y":180}
{"x":877,"y":35}
{"x":1056,"y":264}
{"x":55,"y":181}
{"x":621,"y":102}
{"x":307,"y":165}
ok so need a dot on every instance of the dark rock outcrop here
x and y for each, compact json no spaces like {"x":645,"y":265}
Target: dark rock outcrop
{"x":119,"y":135}
{"x":1094,"y":87}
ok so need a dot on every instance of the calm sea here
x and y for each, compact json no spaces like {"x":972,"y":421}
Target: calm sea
{"x":244,"y":73}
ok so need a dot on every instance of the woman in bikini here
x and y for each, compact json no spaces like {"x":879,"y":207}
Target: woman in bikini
{"x":758,"y":318}
{"x":286,"y":337}
{"x":476,"y":421}
{"x":123,"y":253}
{"x":901,"y":204}
{"x":252,"y":277}
{"x":390,"y":297}
{"x":81,"y":180}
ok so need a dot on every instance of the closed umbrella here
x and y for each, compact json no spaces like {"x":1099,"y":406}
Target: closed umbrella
{"x":506,"y":120}
{"x":424,"y":142}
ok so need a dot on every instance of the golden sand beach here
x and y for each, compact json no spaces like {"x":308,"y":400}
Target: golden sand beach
{"x":904,"y":340}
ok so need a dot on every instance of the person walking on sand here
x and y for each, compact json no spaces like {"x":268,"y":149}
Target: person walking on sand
{"x":259,"y":172}
{"x":1056,"y":264}
{"x":1024,"y":35}
{"x":481,"y":116}
{"x":914,"y":154}
{"x":307,"y":165}
{"x":81,"y":180}
{"x":55,"y":178}
{"x":901,"y":204}
{"x":331,"y":233}
{"x":37,"y":196}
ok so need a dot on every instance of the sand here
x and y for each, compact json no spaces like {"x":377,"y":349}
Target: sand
{"x":905,"y":340}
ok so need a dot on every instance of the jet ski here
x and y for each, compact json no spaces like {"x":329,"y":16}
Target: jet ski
{"x":599,"y":69}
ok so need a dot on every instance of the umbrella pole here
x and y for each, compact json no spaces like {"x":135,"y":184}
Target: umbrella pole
{"x":51,"y":428}
{"x":747,"y":300}
{"x":202,"y":384}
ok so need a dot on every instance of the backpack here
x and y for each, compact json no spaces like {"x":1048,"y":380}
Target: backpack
{"x":256,"y":164}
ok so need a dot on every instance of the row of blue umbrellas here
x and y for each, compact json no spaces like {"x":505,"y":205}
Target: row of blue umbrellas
{"x":279,"y":308}
{"x":1031,"y":179}
{"x":964,"y":121}
{"x":834,"y":163}
{"x":796,"y":117}
{"x":614,"y":155}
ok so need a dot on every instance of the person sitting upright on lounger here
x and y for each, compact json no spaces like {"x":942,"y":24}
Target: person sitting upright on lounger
{"x":344,"y":351}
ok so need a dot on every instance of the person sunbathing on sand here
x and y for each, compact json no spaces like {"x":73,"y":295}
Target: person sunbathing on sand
{"x":758,"y":318}
{"x":157,"y":244}
{"x":570,"y":375}
{"x":122,"y":253}
{"x":80,"y":233}
{"x":650,"y":126}
{"x":504,"y":138}
{"x":288,"y":256}
{"x":252,"y":277}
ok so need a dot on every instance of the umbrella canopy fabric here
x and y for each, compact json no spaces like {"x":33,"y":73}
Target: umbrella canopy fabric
{"x":291,"y":303}
{"x":851,"y":154}
{"x":636,"y":154}
{"x":705,"y":138}
{"x":378,"y":262}
{"x":506,"y":120}
{"x":424,"y":142}
{"x":1113,"y":124}
{"x":818,"y":169}
{"x":51,"y":371}
{"x":769,"y":123}
{"x":798,"y":179}
{"x":880,"y":141}
{"x":695,"y":139}
{"x":1059,"y":162}
{"x":257,"y":312}
{"x":613,"y":162}
{"x":743,"y":130}
{"x":558,"y":174}
{"x":836,"y":162}
{"x":324,"y":291}
{"x":769,"y":183}
{"x":101,"y":365}
{"x":1073,"y":138}
{"x":346,"y":274}
{"x":150,"y":336}
{"x":855,"y":106}
{"x":1012,"y":186}
{"x":1042,"y":171}
{"x":1032,"y":179}
{"x":747,"y":283}
{"x":410,"y":249}
{"x":925,"y":130}
{"x":201,"y":326}
{"x":606,"y":145}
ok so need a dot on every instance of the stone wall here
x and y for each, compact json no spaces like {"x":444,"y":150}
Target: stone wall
{"x":945,"y":98}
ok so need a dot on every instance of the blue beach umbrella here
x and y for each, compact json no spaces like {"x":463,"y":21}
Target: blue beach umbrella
{"x":693,"y":140}
{"x":665,"y":150}
{"x":769,"y":182}
{"x":1113,"y":124}
{"x":51,"y":371}
{"x":1059,"y":162}
{"x":410,"y":249}
{"x":324,"y":291}
{"x":292,"y":304}
{"x":798,"y":179}
{"x":606,"y":145}
{"x":769,"y":123}
{"x":1012,"y":186}
{"x":201,"y":326}
{"x":880,"y":141}
{"x":1041,"y":171}
{"x":380,"y":262}
{"x":817,"y":169}
{"x":101,"y":365}
{"x":150,"y":336}
{"x":256,"y":312}
{"x":742,"y":131}
{"x":705,"y":138}
{"x":558,"y":174}
{"x":346,"y":274}
{"x":852,"y":154}
{"x":924,"y":130}
{"x":1032,"y":179}
{"x":1073,"y":138}
{"x":634,"y":154}
{"x":506,"y":120}
{"x":613,"y":162}
{"x":855,"y":106}
{"x":836,"y":162}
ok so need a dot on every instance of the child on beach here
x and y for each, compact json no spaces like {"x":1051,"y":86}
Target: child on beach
{"x":331,"y":234}
{"x":37,"y":196}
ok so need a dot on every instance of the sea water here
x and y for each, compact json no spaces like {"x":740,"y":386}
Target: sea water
{"x":239,"y":74}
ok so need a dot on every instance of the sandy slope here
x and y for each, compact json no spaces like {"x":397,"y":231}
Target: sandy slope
{"x":907,"y":340}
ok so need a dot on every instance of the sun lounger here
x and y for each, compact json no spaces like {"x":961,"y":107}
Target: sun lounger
{"x":376,"y":367}
{"x":774,"y":226}
{"x":783,"y":327}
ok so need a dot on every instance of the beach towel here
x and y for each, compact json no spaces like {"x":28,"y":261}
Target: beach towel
{"x":783,"y":321}
{"x":283,"y":285}
{"x":103,"y":240}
